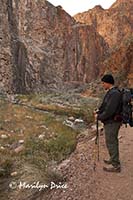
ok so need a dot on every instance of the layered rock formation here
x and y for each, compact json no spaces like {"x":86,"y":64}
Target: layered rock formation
{"x":120,"y":63}
{"x":44,"y":47}
{"x":5,"y":51}
{"x":114,"y":24}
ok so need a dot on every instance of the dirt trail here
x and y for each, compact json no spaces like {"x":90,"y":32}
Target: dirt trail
{"x":85,"y":184}
{"x":118,"y":186}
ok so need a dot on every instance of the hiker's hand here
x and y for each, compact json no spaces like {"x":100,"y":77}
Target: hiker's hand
{"x":95,"y":116}
{"x":95,"y":111}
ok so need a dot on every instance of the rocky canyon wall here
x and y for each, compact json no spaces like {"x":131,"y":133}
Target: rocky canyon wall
{"x":42,"y":47}
{"x":115,"y":25}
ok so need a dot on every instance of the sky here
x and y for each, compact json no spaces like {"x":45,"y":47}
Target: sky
{"x":75,"y":6}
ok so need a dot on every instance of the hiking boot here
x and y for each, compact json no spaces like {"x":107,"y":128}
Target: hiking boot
{"x":108,"y":162}
{"x":112,"y":169}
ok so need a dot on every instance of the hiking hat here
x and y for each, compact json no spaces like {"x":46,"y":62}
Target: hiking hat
{"x":108,"y":78}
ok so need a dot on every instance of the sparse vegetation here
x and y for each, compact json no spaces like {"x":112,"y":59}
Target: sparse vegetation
{"x":63,"y":104}
{"x":34,"y":137}
{"x":61,"y":146}
{"x":5,"y":167}
{"x":27,"y":120}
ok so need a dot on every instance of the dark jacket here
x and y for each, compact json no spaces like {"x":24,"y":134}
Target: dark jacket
{"x":110,"y":106}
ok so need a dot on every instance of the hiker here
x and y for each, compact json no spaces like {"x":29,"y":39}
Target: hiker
{"x":107,"y":115}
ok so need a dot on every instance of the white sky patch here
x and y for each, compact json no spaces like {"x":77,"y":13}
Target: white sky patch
{"x":75,"y":6}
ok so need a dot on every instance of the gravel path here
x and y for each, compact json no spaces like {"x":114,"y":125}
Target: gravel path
{"x":83,"y":183}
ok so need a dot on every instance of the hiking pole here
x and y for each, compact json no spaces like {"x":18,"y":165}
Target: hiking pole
{"x":96,"y":146}
{"x":97,"y":139}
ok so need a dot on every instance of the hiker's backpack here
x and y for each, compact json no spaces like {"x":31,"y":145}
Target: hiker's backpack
{"x":126,"y":107}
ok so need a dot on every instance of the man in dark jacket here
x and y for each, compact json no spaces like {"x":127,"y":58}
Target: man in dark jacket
{"x":108,"y":115}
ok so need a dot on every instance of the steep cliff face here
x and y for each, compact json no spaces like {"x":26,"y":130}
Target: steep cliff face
{"x":113,"y":24}
{"x":44,"y":47}
{"x":120,"y":63}
{"x":5,"y":53}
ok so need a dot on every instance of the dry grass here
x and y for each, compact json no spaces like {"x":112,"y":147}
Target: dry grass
{"x":22,"y":123}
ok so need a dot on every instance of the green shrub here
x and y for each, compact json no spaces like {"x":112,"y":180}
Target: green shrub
{"x":59,"y":148}
{"x":6,"y":167}
{"x":35,"y":152}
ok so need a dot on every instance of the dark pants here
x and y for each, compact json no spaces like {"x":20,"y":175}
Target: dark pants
{"x":112,"y":143}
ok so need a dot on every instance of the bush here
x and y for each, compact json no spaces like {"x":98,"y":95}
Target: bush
{"x":62,"y":146}
{"x":5,"y":167}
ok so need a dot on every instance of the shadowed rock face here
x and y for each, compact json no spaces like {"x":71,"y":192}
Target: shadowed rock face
{"x":113,"y":24}
{"x":42,"y":47}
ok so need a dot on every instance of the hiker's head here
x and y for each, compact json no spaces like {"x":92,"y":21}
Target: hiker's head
{"x":108,"y":81}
